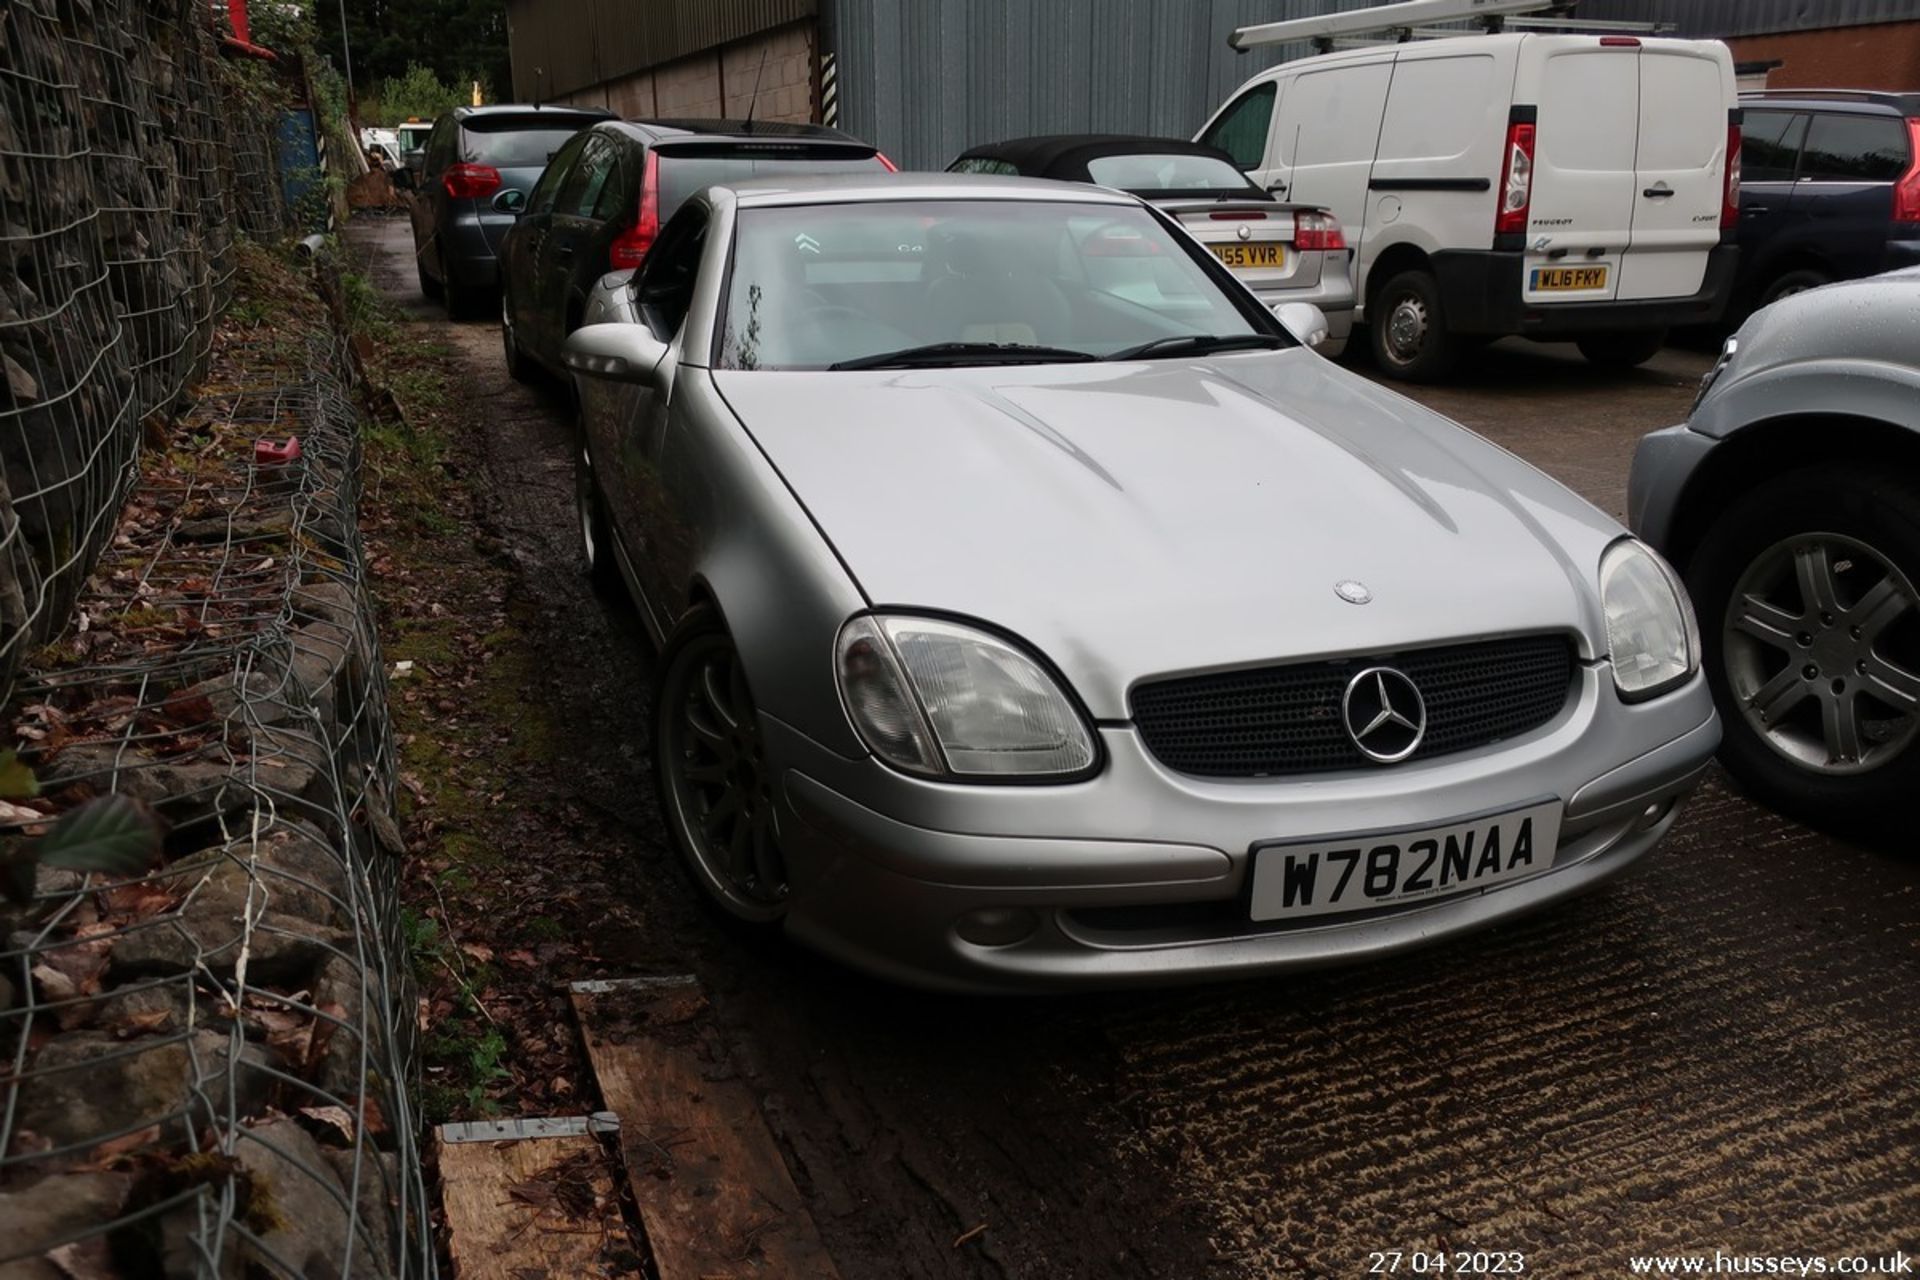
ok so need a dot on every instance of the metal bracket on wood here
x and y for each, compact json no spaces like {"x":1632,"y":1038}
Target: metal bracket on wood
{"x":608,"y":986}
{"x":531,"y":1127}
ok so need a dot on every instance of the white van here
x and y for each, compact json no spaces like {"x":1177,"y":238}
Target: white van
{"x":1557,"y":186}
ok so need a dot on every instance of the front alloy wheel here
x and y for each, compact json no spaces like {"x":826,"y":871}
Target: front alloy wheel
{"x":1803,"y":636}
{"x":1805,"y":588}
{"x":716,"y":787}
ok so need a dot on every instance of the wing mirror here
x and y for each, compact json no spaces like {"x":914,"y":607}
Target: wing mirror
{"x":615,"y":352}
{"x":402,"y":178}
{"x":512,"y":200}
{"x":1304,"y":321}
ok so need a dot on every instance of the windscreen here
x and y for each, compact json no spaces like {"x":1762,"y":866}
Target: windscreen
{"x":815,"y":285}
{"x":681,"y":175}
{"x":517,"y":142}
{"x":1149,"y":175}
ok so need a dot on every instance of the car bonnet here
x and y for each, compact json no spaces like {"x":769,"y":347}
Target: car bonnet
{"x":1148,"y":518}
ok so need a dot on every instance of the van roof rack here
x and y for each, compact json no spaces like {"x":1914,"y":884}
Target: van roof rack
{"x":1422,"y":19}
{"x":1908,"y":102}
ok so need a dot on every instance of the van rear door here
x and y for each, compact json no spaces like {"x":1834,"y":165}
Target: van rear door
{"x":1580,"y":219}
{"x":1686,"y":91}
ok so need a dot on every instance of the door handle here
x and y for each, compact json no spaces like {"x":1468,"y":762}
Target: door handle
{"x":1657,"y":193}
{"x":1277,"y":189}
{"x":564,"y":252}
{"x":1752,"y":209}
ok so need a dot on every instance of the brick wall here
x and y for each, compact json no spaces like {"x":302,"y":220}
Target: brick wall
{"x":1883,"y":56}
{"x":720,"y":82}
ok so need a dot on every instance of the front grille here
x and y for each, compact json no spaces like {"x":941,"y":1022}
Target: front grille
{"x":1284,"y":720}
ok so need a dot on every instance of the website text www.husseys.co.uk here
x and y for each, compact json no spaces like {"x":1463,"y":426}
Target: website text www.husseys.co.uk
{"x":1783,"y":1264}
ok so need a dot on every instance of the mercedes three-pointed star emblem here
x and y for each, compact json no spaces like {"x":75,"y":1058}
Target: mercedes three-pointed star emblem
{"x":1384,"y":714}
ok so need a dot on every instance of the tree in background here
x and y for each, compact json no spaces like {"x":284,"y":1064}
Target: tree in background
{"x":456,"y":41}
{"x":419,"y":94}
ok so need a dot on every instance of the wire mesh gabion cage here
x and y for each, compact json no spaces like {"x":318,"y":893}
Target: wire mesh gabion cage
{"x":204,"y":1067}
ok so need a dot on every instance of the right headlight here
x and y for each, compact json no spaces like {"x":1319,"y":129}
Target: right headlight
{"x":1653,"y":640}
{"x":942,"y":699}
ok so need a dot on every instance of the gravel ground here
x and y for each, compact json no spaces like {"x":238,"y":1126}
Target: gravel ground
{"x":1717,"y":1051}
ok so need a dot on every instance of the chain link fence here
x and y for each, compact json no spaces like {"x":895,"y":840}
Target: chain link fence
{"x":204,"y":1069}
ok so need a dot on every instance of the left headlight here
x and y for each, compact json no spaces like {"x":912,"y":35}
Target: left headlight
{"x":942,"y":699}
{"x":1652,"y":637}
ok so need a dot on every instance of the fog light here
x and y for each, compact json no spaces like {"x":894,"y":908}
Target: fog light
{"x":1651,"y":816}
{"x":997,"y":926}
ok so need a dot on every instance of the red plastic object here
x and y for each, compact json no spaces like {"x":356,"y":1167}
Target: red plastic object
{"x":267,"y":453}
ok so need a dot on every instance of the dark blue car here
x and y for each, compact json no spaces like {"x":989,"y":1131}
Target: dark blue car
{"x":1829,"y":190}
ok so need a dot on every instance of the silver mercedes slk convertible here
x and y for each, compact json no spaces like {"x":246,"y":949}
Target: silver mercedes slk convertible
{"x":1036,"y":611}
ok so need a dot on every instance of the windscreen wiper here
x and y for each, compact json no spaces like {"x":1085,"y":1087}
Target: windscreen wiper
{"x":947,"y":354}
{"x":1194,"y":344}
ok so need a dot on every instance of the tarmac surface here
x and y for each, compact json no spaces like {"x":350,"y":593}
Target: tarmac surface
{"x":1720,"y":1050}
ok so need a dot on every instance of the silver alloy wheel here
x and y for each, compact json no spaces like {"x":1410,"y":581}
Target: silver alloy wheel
{"x":1806,"y":659}
{"x":1407,"y":329}
{"x":720,"y":790}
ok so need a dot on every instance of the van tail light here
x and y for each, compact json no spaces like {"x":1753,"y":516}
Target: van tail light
{"x":470,"y":181}
{"x":1317,"y":231}
{"x":1730,"y":194}
{"x":1906,"y":192}
{"x":630,"y":247}
{"x":885,"y":163}
{"x":1516,"y":180}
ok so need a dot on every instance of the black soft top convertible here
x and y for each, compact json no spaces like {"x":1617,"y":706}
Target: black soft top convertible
{"x":1199,"y":170}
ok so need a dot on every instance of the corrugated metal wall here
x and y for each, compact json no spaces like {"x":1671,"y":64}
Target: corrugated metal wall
{"x":1723,"y":18}
{"x":562,"y":45}
{"x":925,"y":79}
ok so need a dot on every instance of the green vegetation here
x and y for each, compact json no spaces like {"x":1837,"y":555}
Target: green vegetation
{"x":418,"y":93}
{"x":456,"y":41}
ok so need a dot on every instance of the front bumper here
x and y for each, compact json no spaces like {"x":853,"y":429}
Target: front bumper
{"x":1482,"y":292}
{"x":1140,"y":875}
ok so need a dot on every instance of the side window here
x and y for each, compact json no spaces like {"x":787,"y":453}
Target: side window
{"x":555,"y":176}
{"x":665,"y":288}
{"x":1770,"y":145}
{"x":983,"y":164}
{"x":589,"y":176}
{"x":1241,"y":130}
{"x":620,"y":195}
{"x":1846,"y":148}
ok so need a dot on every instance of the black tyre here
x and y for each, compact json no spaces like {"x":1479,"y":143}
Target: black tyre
{"x":518,"y":366}
{"x":596,"y":547}
{"x":1788,"y":283}
{"x":463,"y":301}
{"x":1811,"y":622}
{"x":1621,"y":350}
{"x":715,"y":786}
{"x":1408,"y":329}
{"x":429,"y":287}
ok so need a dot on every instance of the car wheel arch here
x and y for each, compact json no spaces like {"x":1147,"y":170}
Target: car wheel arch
{"x":1396,"y":258}
{"x":1761,"y":451}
